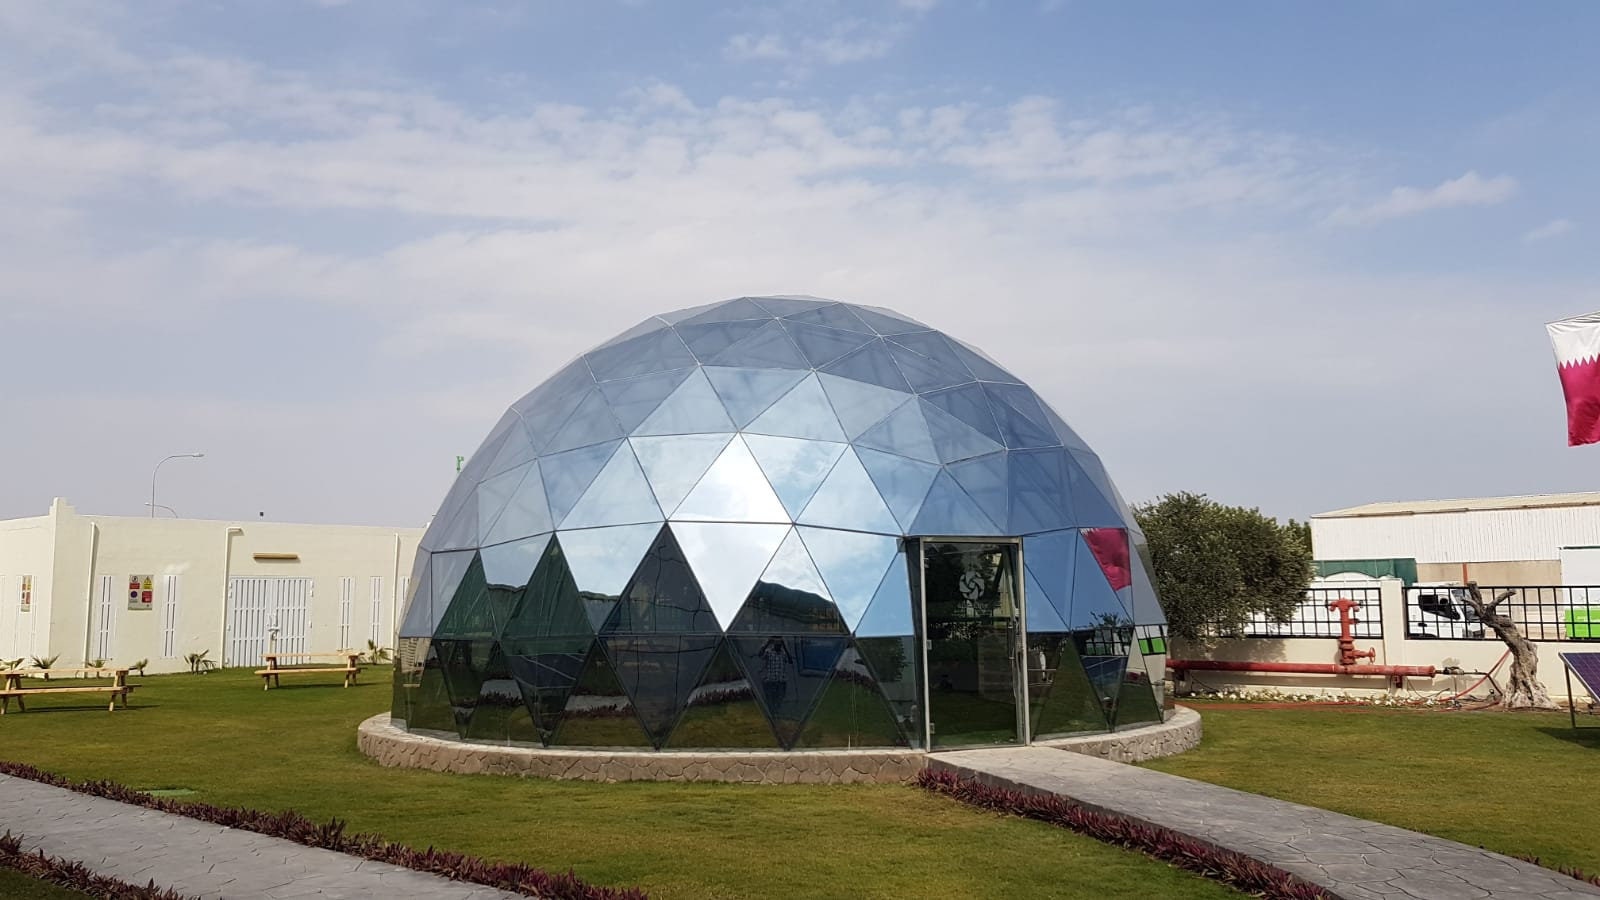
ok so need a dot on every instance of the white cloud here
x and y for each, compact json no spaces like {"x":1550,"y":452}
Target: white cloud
{"x":1470,"y":189}
{"x":849,"y":41}
{"x":751,"y":47}
{"x":918,"y":6}
{"x":1552,"y":229}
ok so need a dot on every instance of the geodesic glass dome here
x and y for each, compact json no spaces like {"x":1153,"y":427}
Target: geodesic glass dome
{"x":780,"y":522}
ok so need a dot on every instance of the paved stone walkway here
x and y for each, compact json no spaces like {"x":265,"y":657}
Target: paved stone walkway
{"x":1351,"y":858}
{"x":193,"y":858}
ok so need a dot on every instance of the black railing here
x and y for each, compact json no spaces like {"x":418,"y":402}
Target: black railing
{"x":1542,"y":613}
{"x":1314,"y":618}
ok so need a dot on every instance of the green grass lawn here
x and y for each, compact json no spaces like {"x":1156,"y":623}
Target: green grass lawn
{"x":224,"y":738}
{"x":1517,"y":783}
{"x":16,"y":886}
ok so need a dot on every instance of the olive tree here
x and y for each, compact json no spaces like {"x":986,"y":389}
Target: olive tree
{"x":1215,"y":566}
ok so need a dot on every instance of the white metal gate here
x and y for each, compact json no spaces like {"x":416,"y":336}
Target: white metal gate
{"x":263,"y":611}
{"x":347,"y":602}
{"x":107,"y":617}
{"x":377,"y":609}
{"x":169,"y":618}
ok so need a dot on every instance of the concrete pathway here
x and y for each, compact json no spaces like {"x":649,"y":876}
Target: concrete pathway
{"x":193,"y":858}
{"x":1351,"y":858}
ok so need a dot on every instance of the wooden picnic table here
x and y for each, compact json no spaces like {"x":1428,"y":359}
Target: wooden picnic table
{"x":14,"y":690}
{"x":306,"y":663}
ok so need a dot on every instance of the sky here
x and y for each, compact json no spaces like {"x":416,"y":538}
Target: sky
{"x":1293,"y":255}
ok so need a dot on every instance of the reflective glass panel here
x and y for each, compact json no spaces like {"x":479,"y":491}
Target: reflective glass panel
{"x":493,"y":495}
{"x":922,"y":373}
{"x":1041,"y":499}
{"x":722,"y":711}
{"x":832,"y":316}
{"x":418,"y":619}
{"x":1062,"y":699}
{"x":851,"y":712}
{"x":658,"y":673}
{"x":973,"y":632}
{"x":732,"y":490}
{"x":463,"y":663}
{"x":852,"y":566}
{"x":1105,"y":661}
{"x":871,"y":364}
{"x":602,"y":560}
{"x":467,"y":613}
{"x":890,"y":613}
{"x":894,"y":662}
{"x":949,"y":511}
{"x":654,"y":352}
{"x":1017,"y":430}
{"x":694,"y":407}
{"x":498,"y":710}
{"x":462,"y":531}
{"x":550,"y":605}
{"x":984,"y":480}
{"x":790,"y":597}
{"x":445,"y":575}
{"x":545,"y":671}
{"x":1050,"y":558}
{"x":654,"y":323}
{"x":746,"y":393}
{"x":526,"y":513}
{"x":767,"y":347}
{"x":1146,"y":605}
{"x":804,"y":412}
{"x":1089,"y":502}
{"x":903,"y":432}
{"x":859,"y":406}
{"x":824,"y":345}
{"x":953,"y":439}
{"x":1136,"y":702}
{"x":516,"y":450}
{"x":788,"y":306}
{"x":794,"y":467}
{"x":728,"y":311}
{"x":969,"y":404}
{"x":727,"y":560}
{"x":428,"y":708}
{"x":619,"y":495}
{"x":1069,"y":438}
{"x":634,"y":399}
{"x":673,"y":464}
{"x":598,"y":711}
{"x":1094,"y":603}
{"x":663,"y":596}
{"x":789,"y":672}
{"x":548,"y":406}
{"x":1042,"y":614}
{"x":849,"y":499}
{"x":903,"y":483}
{"x":591,"y":423}
{"x":935,"y":347}
{"x":885,"y":322}
{"x":981,"y":365}
{"x":567,"y":475}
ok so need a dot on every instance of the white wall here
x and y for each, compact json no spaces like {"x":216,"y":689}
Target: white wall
{"x":1486,"y":535}
{"x":26,"y":548}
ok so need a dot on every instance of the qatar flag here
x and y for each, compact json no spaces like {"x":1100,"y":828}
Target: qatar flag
{"x":1577,"y":345}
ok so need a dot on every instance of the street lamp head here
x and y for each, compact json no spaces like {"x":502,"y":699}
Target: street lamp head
{"x":196,"y":455}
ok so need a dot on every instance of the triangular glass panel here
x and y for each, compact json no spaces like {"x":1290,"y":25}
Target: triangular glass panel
{"x":494,"y":493}
{"x":746,"y":393}
{"x":706,"y":341}
{"x":851,"y":712}
{"x":598,"y":712}
{"x":985,"y":481}
{"x":1023,"y":401}
{"x":425,"y":696}
{"x":902,"y":482}
{"x":727,"y":311}
{"x":849,"y":499}
{"x":981,"y":365}
{"x":1145,"y":601}
{"x":871,"y":364}
{"x":663,"y":596}
{"x":1136,"y":702}
{"x":852,"y":566}
{"x":1110,"y":549}
{"x":505,"y":431}
{"x":688,"y":312}
{"x":463,"y":663}
{"x":659,"y":672}
{"x":1090,"y":508}
{"x":526,"y":513}
{"x":632,"y":400}
{"x":727,"y":559}
{"x":461,"y":532}
{"x":499,"y":713}
{"x":673,"y":464}
{"x":789,"y":672}
{"x":922,"y":373}
{"x":1105,"y":672}
{"x":824,"y":345}
{"x":934,"y":346}
{"x":1042,"y":614}
{"x":1041,"y":496}
{"x":516,"y":450}
{"x":884,"y":321}
{"x":693,"y":408}
{"x":1017,"y":430}
{"x":619,"y":495}
{"x":549,"y":606}
{"x":1064,"y":700}
{"x":893,"y":660}
{"x":466,"y":615}
{"x":591,"y":423}
{"x":789,"y":305}
{"x":446,"y":571}
{"x":417,"y":622}
{"x":1050,"y":559}
{"x":890,"y":613}
{"x":794,"y":467}
{"x":804,"y":412}
{"x":1069,"y":438}
{"x":657,"y":351}
{"x":602,"y":560}
{"x":722,"y":712}
{"x":507,"y":570}
{"x":1094,"y":603}
{"x":652,"y":324}
{"x":547,"y":407}
{"x":905,"y":433}
{"x":767,"y":347}
{"x":969,"y":404}
{"x":732,"y":490}
{"x":859,"y":406}
{"x":954,"y":439}
{"x":835,"y":315}
{"x":545,"y":671}
{"x":790,"y":597}
{"x":567,"y":475}
{"x":949,"y":511}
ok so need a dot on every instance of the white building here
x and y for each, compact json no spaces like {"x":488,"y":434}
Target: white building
{"x":125,"y":589}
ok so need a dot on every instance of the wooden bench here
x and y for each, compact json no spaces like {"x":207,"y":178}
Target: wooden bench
{"x":308,"y":664}
{"x":13,"y":690}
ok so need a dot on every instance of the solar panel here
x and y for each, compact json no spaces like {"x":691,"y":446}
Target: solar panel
{"x":1587,"y":667}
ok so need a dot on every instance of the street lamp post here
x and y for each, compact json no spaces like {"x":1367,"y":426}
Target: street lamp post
{"x":170,"y":511}
{"x":158,"y":471}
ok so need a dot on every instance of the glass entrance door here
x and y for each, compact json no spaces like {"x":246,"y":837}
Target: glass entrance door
{"x":972,"y":621}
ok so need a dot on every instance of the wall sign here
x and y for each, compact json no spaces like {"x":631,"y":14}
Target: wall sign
{"x":141,"y":591}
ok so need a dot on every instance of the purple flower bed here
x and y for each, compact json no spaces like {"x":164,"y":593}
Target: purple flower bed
{"x":1236,"y":869}
{"x":74,"y":875}
{"x":289,"y":825}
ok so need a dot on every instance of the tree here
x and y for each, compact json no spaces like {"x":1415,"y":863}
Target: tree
{"x":1527,"y":692}
{"x":1215,"y":566}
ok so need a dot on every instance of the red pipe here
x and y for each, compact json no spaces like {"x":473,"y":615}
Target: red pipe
{"x":1226,"y":665}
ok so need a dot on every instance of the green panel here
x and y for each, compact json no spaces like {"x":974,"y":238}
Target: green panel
{"x":1583,"y":623}
{"x":1403,"y":569}
{"x":1152,"y":646}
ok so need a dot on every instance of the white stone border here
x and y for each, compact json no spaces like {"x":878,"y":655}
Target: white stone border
{"x":391,"y":746}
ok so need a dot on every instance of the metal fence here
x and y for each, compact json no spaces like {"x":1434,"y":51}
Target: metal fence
{"x":1562,"y":613}
{"x":1314,"y":618}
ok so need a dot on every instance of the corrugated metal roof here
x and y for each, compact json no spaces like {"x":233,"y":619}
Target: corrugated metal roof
{"x":1425,"y":507}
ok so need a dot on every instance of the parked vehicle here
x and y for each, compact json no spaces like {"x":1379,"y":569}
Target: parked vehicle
{"x":1440,"y":610}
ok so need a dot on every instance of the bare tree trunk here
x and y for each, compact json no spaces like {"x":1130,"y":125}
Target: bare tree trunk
{"x":1526,"y":691}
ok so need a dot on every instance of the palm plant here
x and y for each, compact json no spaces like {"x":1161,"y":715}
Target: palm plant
{"x":44,"y":663}
{"x":196,"y":661}
{"x":376,"y":654}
